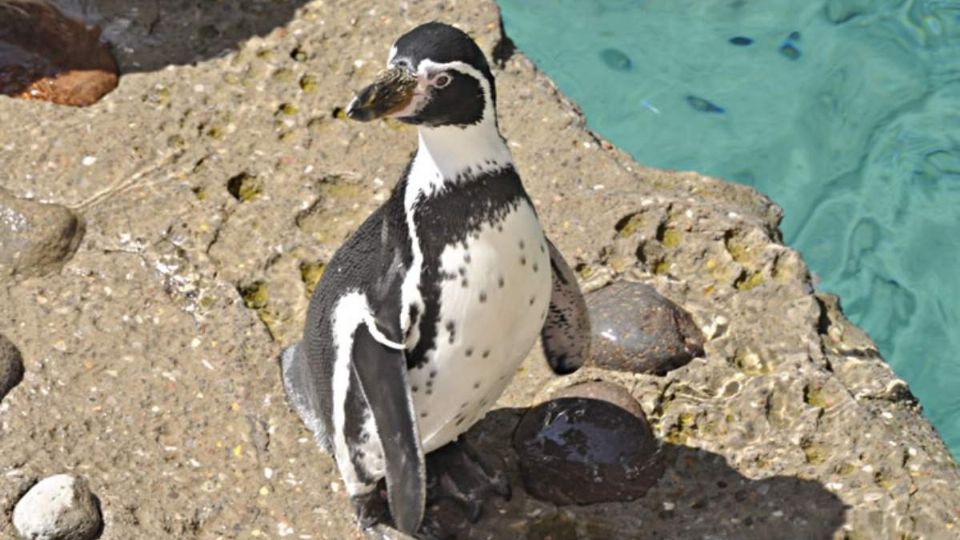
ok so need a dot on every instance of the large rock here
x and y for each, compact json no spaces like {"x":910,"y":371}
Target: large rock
{"x":637,"y":329}
{"x":232,"y":183}
{"x":59,"y":507}
{"x":591,"y":444}
{"x":48,"y":56}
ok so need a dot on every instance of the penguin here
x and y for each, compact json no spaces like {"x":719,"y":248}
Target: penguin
{"x":422,"y":317}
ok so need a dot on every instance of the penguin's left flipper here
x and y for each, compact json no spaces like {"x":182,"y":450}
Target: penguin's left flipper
{"x":382,"y":373}
{"x":566,"y":332}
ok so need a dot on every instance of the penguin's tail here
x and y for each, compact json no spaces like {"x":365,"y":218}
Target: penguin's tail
{"x":302,"y":393}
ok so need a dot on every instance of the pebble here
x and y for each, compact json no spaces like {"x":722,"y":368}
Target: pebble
{"x":35,"y":238}
{"x":11,"y":366}
{"x":636,"y":329}
{"x":59,"y":507}
{"x":585,"y":450}
{"x":790,"y":51}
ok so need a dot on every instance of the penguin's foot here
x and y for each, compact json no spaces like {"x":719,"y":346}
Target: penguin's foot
{"x":459,"y":473}
{"x":371,"y":508}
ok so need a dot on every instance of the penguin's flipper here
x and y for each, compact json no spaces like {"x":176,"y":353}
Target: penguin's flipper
{"x":382,"y":373}
{"x":566,"y":332}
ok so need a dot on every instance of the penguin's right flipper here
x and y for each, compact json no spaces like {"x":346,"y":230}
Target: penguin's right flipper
{"x":382,"y":373}
{"x":566,"y":332}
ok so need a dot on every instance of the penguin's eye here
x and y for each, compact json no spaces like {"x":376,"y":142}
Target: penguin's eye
{"x":442,"y":80}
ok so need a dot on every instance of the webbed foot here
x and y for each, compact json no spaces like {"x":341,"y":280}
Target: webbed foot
{"x":459,"y":473}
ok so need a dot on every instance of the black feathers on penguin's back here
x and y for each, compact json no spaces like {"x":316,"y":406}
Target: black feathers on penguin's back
{"x":366,"y":262}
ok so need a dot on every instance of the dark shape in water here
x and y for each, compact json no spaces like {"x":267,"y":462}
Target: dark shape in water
{"x":794,"y":36}
{"x":576,"y":450}
{"x":791,"y":52}
{"x":615,"y":59}
{"x":741,"y":41}
{"x":47,"y":56}
{"x":702,"y":105}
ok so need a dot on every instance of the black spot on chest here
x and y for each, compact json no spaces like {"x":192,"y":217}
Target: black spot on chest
{"x":458,"y":211}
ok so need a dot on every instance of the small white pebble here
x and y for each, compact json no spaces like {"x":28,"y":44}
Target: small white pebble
{"x":835,"y":486}
{"x":88,"y":160}
{"x":198,"y":88}
{"x":194,"y":343}
{"x":267,"y":473}
{"x":668,"y":506}
{"x":733,"y":215}
{"x":778,"y":514}
{"x":335,"y":487}
{"x":598,"y":187}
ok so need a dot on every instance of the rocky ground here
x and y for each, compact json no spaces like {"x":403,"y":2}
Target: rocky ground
{"x":187,"y":215}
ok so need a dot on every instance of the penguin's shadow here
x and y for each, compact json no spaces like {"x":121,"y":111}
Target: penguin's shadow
{"x":698,"y":496}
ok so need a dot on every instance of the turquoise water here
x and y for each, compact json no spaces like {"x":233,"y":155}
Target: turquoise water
{"x":846,"y":113}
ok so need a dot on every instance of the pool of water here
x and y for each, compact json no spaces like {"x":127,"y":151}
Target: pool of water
{"x":845,"y":112}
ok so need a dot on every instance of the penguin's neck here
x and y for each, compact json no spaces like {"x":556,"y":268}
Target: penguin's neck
{"x":449,"y":155}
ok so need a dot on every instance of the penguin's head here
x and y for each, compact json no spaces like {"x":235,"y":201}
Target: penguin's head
{"x":435,"y":76}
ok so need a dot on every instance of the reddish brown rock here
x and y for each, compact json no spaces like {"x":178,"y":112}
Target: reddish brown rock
{"x":47,"y":56}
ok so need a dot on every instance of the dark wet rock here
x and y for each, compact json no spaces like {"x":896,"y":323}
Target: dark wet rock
{"x":615,"y":59}
{"x":35,"y":238}
{"x":602,"y":391}
{"x":59,"y":507}
{"x":741,"y":41}
{"x":702,"y":105}
{"x":11,"y":366}
{"x":636,"y":329}
{"x":48,"y":56}
{"x":583,"y":451}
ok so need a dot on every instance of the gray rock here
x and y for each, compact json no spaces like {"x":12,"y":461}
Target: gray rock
{"x":59,"y":507}
{"x":35,"y":238}
{"x":637,"y":329}
{"x":586,"y":450}
{"x":11,"y":366}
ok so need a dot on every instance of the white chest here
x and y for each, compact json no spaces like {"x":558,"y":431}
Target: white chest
{"x":493,"y":302}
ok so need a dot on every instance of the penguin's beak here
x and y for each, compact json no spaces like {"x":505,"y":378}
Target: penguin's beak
{"x":391,"y":94}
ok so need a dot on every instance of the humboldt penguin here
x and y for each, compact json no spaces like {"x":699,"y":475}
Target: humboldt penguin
{"x":423,"y":316}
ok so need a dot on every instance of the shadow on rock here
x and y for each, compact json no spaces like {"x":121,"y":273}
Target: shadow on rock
{"x":150,"y":35}
{"x":698,"y":496}
{"x":38,"y":43}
